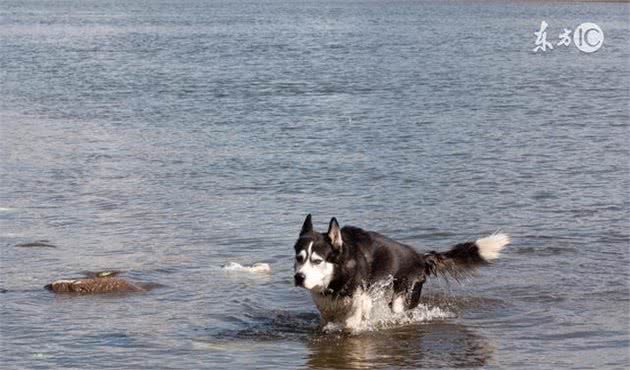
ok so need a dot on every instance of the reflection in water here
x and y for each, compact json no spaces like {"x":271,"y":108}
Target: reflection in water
{"x":427,"y":345}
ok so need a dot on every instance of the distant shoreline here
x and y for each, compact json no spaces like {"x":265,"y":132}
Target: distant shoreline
{"x":568,"y":1}
{"x":575,"y":1}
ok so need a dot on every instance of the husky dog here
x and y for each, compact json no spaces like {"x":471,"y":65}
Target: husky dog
{"x":338,"y":267}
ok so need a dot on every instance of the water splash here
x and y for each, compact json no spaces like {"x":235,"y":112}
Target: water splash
{"x":382,"y":317}
{"x":256,"y":267}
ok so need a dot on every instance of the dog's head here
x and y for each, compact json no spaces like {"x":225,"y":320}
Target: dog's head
{"x":316,"y":255}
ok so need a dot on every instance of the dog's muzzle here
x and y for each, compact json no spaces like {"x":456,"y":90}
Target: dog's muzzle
{"x":299,"y":279}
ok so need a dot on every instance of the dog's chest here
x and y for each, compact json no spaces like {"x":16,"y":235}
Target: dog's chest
{"x":333,"y":309}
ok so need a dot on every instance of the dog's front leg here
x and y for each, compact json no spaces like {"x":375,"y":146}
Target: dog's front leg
{"x":360,"y":310}
{"x":322,"y":322}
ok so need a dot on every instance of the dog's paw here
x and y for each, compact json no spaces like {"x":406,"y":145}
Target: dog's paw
{"x":332,"y":327}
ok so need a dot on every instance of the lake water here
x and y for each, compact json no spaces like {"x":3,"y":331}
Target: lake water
{"x":167,"y":138}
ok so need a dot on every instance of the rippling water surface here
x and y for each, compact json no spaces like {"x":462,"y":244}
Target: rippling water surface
{"x":167,"y":138}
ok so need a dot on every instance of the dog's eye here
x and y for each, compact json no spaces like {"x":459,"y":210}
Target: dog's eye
{"x":299,"y":258}
{"x":317,"y":262}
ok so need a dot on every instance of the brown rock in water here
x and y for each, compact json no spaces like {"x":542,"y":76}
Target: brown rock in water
{"x":94,"y":286}
{"x":37,"y":243}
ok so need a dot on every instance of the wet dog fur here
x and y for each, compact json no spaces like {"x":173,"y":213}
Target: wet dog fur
{"x":340,"y":265}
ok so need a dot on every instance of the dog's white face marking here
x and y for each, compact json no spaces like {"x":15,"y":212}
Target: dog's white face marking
{"x":317,"y":272}
{"x":303,"y":254}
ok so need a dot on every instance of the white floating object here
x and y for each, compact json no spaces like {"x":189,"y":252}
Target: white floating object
{"x":256,"y":267}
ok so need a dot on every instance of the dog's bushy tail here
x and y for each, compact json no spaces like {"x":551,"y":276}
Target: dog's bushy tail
{"x":464,"y":258}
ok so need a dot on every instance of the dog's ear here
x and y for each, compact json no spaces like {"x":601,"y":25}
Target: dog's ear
{"x":307,"y":226}
{"x":334,"y":233}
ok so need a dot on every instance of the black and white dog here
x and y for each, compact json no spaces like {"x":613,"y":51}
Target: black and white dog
{"x":339,"y":266}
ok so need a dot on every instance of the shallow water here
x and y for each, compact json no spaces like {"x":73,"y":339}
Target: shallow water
{"x":168,"y":138}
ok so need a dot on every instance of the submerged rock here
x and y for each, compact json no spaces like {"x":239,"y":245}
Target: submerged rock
{"x":95,"y":285}
{"x":36,"y":243}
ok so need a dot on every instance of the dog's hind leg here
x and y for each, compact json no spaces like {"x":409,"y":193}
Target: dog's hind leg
{"x":398,"y":303}
{"x":401,"y":294}
{"x":406,"y":296}
{"x":414,"y":297}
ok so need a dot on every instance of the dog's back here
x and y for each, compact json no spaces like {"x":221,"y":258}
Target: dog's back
{"x":384,"y":256}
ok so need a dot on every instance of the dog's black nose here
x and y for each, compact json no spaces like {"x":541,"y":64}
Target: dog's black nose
{"x":299,"y":279}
